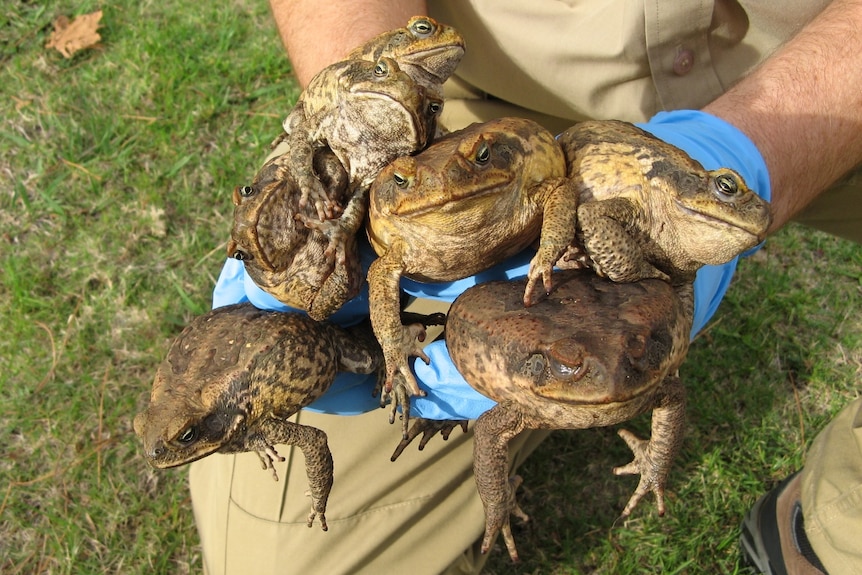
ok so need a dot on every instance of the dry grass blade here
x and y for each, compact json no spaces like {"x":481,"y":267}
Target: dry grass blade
{"x":52,"y":370}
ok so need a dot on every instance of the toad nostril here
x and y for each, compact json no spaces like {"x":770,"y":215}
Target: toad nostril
{"x":158,"y":449}
{"x":637,"y":346}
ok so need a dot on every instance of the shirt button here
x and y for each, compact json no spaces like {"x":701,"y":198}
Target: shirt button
{"x":683,"y":62}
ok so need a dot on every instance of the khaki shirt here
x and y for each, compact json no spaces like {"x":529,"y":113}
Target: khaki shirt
{"x":623,"y":59}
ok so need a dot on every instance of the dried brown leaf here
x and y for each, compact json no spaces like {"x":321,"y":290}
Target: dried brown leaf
{"x":70,"y":37}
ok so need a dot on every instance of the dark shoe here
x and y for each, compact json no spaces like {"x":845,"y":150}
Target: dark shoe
{"x":773,"y":536}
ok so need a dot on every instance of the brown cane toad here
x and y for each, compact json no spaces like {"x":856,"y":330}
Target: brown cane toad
{"x":232,"y":378}
{"x":468,"y":201}
{"x":594,"y":353}
{"x":284,"y":257}
{"x":648,"y":210}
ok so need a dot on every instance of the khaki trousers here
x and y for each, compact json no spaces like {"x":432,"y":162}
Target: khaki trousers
{"x":832,"y":492}
{"x":420,"y":514}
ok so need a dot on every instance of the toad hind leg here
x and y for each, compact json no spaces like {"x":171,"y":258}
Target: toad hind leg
{"x":653,"y":458}
{"x":604,"y":232}
{"x":493,"y":431}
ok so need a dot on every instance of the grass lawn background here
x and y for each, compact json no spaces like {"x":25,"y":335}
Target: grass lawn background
{"x":116,"y":168}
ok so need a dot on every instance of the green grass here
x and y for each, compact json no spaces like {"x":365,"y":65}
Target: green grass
{"x":115,"y":175}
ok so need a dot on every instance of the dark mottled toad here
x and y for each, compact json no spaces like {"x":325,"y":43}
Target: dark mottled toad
{"x":282,"y":255}
{"x":232,"y":378}
{"x":594,"y":353}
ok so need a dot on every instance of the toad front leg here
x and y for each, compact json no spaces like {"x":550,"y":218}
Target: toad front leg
{"x":559,"y":222}
{"x":398,"y":342}
{"x":301,"y":146}
{"x":340,"y":231}
{"x":493,"y":431}
{"x":315,"y":448}
{"x":653,"y":458}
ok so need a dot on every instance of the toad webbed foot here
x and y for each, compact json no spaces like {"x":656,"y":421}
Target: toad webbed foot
{"x":653,"y":473}
{"x":268,"y":457}
{"x":428,"y":428}
{"x":498,"y":519}
{"x":318,"y":511}
{"x":397,"y":396}
{"x":313,"y":192}
{"x":574,"y":258}
{"x":398,"y":359}
{"x":335,"y":233}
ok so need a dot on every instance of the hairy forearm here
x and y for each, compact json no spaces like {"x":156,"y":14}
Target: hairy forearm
{"x":803,"y":108}
{"x":317,"y":34}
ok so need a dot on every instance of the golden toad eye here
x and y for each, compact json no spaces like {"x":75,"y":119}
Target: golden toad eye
{"x":241,"y":256}
{"x":246,"y":191}
{"x":188,"y":435}
{"x":400,"y":180}
{"x":422,"y":28}
{"x":483,"y":154}
{"x":726,"y":185}
{"x":381,"y":70}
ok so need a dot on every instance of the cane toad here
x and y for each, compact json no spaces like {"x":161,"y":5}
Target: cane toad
{"x":426,"y":50}
{"x":594,"y":353}
{"x":234,"y":375}
{"x":367,"y":113}
{"x":648,"y":210}
{"x":284,"y":257}
{"x":468,"y":201}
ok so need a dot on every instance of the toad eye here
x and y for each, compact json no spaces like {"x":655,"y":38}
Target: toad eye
{"x":434,"y":108}
{"x":726,"y":186}
{"x":400,"y":180}
{"x":565,"y":371}
{"x":188,"y":435}
{"x":241,"y":255}
{"x":381,"y":69}
{"x":422,"y":28}
{"x":483,"y":154}
{"x":246,"y":191}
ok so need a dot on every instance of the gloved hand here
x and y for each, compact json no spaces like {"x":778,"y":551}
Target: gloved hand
{"x":709,"y":140}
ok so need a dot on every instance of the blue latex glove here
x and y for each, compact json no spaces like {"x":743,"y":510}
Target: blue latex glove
{"x":709,"y":140}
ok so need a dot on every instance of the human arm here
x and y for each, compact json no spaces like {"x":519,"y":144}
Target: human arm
{"x":802,"y":108}
{"x":790,"y":127}
{"x":317,"y":34}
